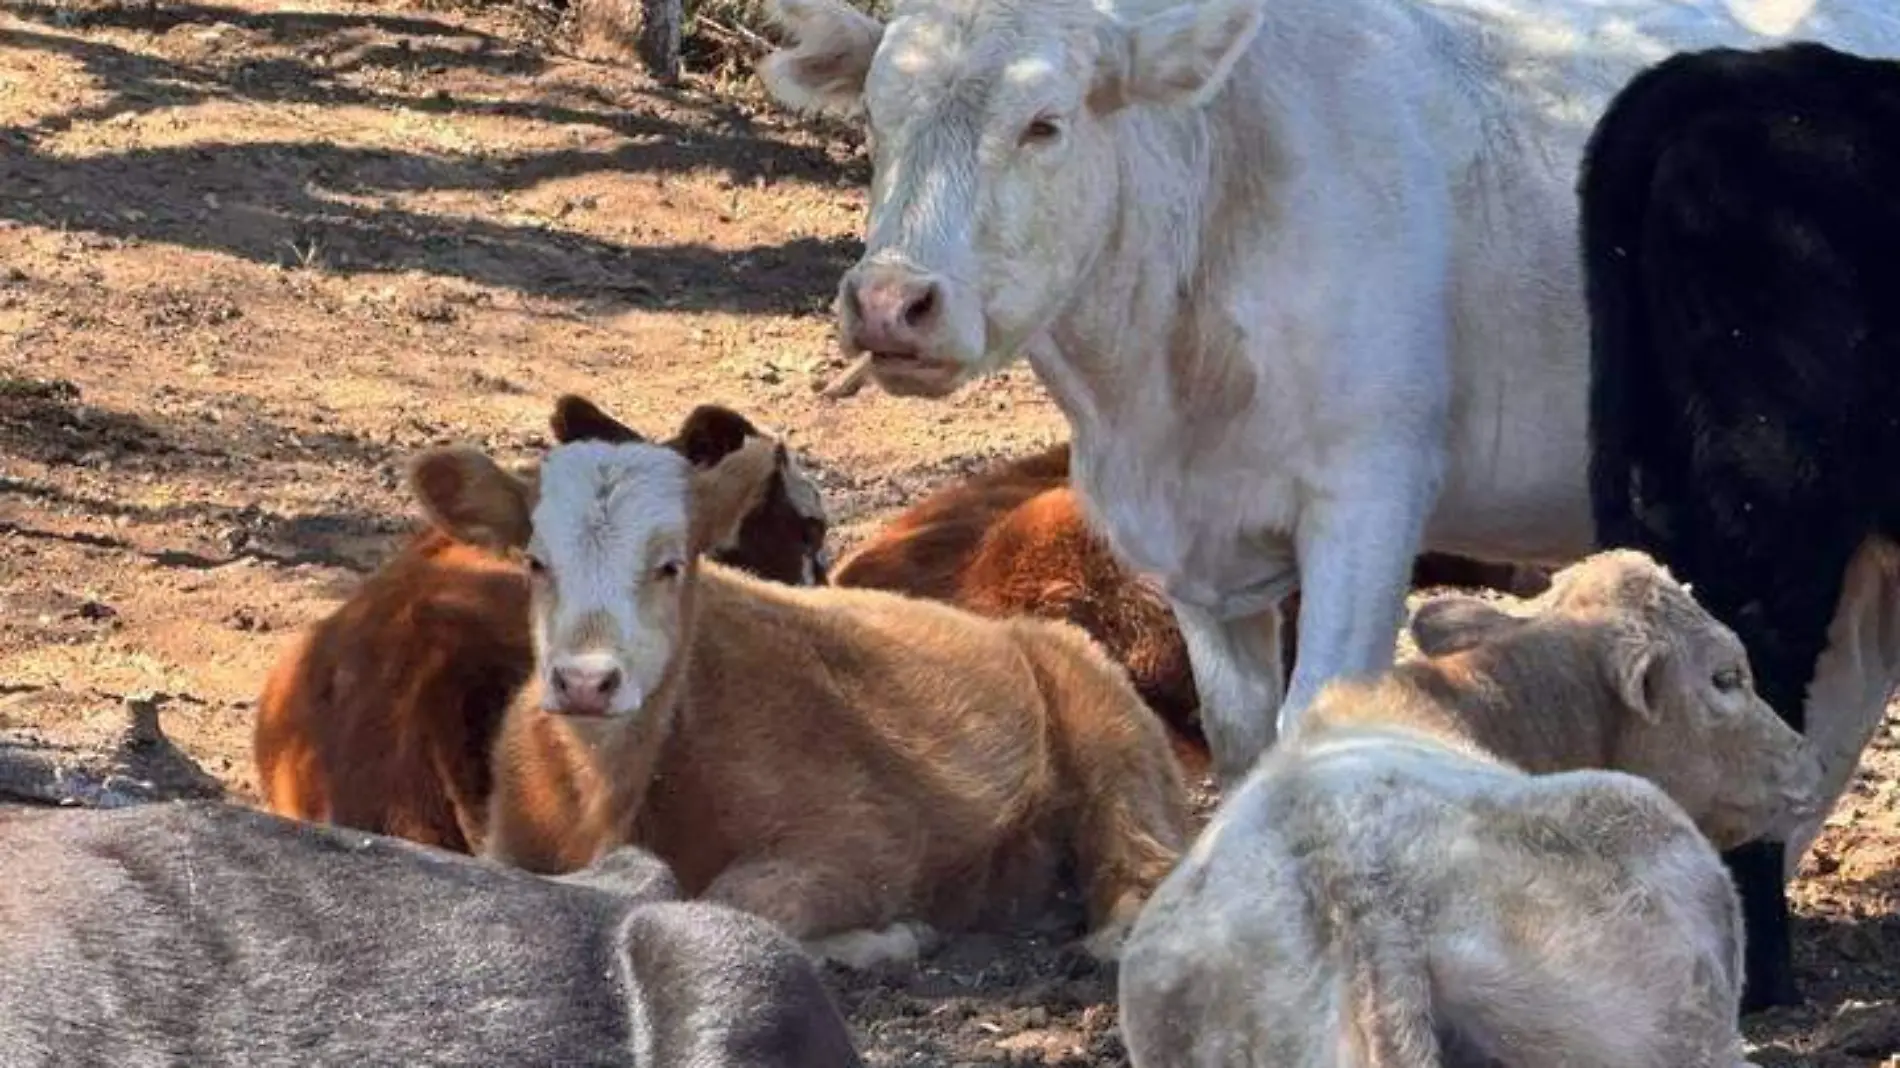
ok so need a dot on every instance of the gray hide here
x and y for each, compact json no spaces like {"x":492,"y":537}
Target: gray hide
{"x":204,"y":934}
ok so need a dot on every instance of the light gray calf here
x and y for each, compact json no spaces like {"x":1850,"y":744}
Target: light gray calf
{"x":1393,"y":886}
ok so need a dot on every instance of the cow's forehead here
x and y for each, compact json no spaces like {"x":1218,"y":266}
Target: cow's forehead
{"x":969,"y":50}
{"x":609,"y":499}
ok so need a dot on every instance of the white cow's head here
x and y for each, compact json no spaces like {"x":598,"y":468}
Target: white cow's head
{"x":612,"y":535}
{"x":996,"y":157}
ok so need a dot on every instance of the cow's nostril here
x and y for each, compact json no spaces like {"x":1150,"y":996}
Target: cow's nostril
{"x":609,"y":683}
{"x":921,"y":309}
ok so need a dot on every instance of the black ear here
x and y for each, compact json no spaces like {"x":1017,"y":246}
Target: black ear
{"x":576,"y":418}
{"x":711,"y":433}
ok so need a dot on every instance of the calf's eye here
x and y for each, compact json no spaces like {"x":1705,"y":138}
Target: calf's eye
{"x":536,"y":567}
{"x":1728,"y":680}
{"x":668,"y":570}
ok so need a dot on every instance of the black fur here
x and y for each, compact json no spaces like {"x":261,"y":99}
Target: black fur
{"x":207,"y":934}
{"x":1741,"y":243}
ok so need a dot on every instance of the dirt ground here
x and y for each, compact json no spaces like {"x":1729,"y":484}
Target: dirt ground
{"x":251,"y":258}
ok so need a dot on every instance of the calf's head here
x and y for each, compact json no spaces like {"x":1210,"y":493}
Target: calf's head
{"x":1688,"y":717}
{"x":611,"y":535}
{"x":997,"y":154}
{"x":782,"y":539}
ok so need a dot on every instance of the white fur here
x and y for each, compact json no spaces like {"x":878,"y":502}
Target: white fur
{"x":900,"y":943}
{"x":608,"y":514}
{"x":1451,"y":918}
{"x":1326,"y":309}
{"x":1853,"y":678}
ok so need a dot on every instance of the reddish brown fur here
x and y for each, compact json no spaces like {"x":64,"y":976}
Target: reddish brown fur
{"x":382,"y":715}
{"x":1014,"y":541}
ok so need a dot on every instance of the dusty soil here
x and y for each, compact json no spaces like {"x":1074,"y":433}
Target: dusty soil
{"x":251,"y":258}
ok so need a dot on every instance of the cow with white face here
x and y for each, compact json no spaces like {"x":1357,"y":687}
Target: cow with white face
{"x":1301,"y":274}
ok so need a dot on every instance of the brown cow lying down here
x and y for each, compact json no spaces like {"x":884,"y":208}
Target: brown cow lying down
{"x":1424,"y":873}
{"x":382,"y":715}
{"x":201,"y":933}
{"x":1014,"y":541}
{"x":835,"y":760}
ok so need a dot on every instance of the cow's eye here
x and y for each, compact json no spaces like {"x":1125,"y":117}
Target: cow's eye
{"x":536,"y":567}
{"x":669,"y":569}
{"x":1041,"y":131}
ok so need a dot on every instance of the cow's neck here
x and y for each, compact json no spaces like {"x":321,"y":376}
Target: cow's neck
{"x":1111,"y":340}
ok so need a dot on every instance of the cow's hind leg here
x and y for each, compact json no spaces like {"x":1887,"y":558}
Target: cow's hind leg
{"x":1848,"y":696}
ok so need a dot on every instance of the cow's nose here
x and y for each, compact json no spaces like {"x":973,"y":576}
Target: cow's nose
{"x":585,"y":685}
{"x":892,"y":312}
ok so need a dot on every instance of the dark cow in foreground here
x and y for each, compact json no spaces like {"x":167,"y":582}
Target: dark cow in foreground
{"x":381,"y":716}
{"x":206,"y":934}
{"x":1741,"y":221}
{"x":1014,"y":540}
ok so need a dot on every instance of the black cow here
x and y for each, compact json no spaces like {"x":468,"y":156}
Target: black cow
{"x":205,"y":934}
{"x":1741,"y":244}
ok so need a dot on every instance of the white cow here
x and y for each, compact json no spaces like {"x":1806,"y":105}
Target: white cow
{"x":1301,"y":274}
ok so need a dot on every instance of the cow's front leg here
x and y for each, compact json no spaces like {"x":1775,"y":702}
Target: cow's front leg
{"x":1238,"y":673}
{"x":1355,"y":554}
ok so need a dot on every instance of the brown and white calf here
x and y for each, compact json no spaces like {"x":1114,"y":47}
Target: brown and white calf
{"x":382,"y":715}
{"x":851,"y":764}
{"x":1014,"y":540}
{"x":1427,"y":871}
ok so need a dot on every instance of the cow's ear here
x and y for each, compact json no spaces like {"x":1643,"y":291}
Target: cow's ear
{"x":712,"y":432}
{"x":1179,"y":57}
{"x":830,"y":55}
{"x":576,"y":418}
{"x":471,"y":498}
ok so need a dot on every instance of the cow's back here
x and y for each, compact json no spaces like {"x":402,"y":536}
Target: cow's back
{"x":812,"y":709}
{"x":209,"y":934}
{"x":204,"y":933}
{"x":382,"y":715}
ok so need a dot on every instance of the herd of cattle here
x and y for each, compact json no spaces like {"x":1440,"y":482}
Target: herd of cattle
{"x":600,"y":763}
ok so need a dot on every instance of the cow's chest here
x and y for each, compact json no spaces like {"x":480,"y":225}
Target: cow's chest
{"x":1213,"y":535}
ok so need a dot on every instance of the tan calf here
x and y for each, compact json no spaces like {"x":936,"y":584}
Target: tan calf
{"x":381,"y":716}
{"x":1423,"y":873}
{"x":850,"y":764}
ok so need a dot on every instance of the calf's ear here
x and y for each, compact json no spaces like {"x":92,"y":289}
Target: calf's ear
{"x":712,"y":432}
{"x":724,"y":494}
{"x":1636,"y":663}
{"x":825,"y":66}
{"x":1453,"y":623}
{"x":576,"y":418}
{"x":1179,"y":57}
{"x":472,"y":499}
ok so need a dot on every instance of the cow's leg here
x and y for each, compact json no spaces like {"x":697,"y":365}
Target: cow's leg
{"x":835,"y":912}
{"x":1237,"y":672}
{"x":1852,"y":680}
{"x":1355,"y":552}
